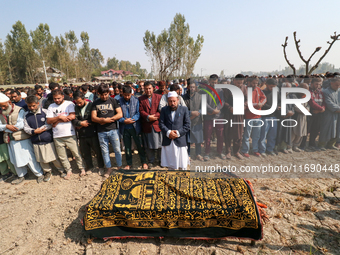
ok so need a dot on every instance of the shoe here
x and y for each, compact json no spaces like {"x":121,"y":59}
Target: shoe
{"x":200,"y":158}
{"x":290,"y":150}
{"x":239,"y":156}
{"x":6,"y":177}
{"x":222,"y":156}
{"x":296,"y":149}
{"x":316,"y":148}
{"x":18,"y":180}
{"x":108,"y":172}
{"x":310,"y":149}
{"x":257,"y":154}
{"x":63,"y":174}
{"x":151,"y":165}
{"x":271,"y":153}
{"x":47,"y":176}
{"x":333,"y":147}
{"x":40,"y":179}
{"x":246,"y":155}
{"x":228,"y":156}
{"x":263,"y":154}
{"x":338,"y":145}
{"x":285,"y":151}
{"x":206,"y":158}
{"x":323,"y":149}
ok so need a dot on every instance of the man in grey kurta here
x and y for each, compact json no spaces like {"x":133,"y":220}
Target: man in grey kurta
{"x":330,"y":129}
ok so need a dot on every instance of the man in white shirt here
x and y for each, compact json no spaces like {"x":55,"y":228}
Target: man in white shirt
{"x":60,"y":115}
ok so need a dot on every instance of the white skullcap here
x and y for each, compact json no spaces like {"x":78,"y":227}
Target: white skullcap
{"x":23,"y":95}
{"x":172,"y":94}
{"x":110,"y":88}
{"x":3,"y":98}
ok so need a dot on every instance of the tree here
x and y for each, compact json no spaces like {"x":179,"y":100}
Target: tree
{"x":20,"y":54}
{"x":309,"y":69}
{"x":2,"y":64}
{"x":71,"y":41}
{"x":42,"y":40}
{"x":97,"y":58}
{"x":173,"y":50}
{"x":112,"y":63}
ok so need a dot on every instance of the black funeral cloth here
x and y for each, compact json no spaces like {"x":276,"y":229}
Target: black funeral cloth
{"x":173,"y":204}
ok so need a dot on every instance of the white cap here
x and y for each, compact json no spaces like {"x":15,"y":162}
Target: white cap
{"x":3,"y":98}
{"x":110,"y":88}
{"x":23,"y":95}
{"x":172,"y":94}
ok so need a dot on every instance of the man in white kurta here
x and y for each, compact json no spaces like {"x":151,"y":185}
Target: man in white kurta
{"x":20,"y":151}
{"x":175,"y":123}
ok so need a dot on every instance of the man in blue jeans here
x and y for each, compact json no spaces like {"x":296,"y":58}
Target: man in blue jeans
{"x":106,"y":111}
{"x":269,"y":128}
{"x":253,"y":122}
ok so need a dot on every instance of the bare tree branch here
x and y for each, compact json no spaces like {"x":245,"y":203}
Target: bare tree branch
{"x":285,"y":55}
{"x":298,"y":47}
{"x":334,"y":38}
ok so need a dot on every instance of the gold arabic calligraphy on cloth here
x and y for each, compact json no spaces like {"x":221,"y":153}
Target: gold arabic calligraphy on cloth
{"x":171,"y":200}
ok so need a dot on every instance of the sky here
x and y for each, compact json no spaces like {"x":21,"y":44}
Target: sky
{"x":243,"y":35}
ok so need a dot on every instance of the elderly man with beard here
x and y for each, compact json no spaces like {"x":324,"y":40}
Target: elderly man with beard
{"x":174,"y":122}
{"x":20,"y":147}
{"x":41,"y":137}
{"x":7,"y":169}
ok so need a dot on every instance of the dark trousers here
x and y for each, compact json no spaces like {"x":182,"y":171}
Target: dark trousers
{"x":86,"y":144}
{"x":151,"y":155}
{"x":314,"y":126}
{"x":128,"y":135}
{"x":208,"y":130}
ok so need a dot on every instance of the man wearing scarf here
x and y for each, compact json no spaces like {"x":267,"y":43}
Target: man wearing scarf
{"x":20,"y":147}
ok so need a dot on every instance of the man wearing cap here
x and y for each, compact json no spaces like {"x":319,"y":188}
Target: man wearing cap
{"x":164,"y":99}
{"x":19,"y":146}
{"x":175,"y":123}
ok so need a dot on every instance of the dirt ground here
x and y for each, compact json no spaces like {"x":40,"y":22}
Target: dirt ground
{"x":45,"y":218}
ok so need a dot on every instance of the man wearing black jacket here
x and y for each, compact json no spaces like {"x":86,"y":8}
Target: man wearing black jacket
{"x":86,"y":132}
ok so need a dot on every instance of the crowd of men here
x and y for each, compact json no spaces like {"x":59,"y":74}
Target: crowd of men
{"x":47,"y":124}
{"x":268,"y":137}
{"x":160,"y":120}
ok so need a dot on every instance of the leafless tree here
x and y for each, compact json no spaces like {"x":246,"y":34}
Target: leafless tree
{"x":334,"y":38}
